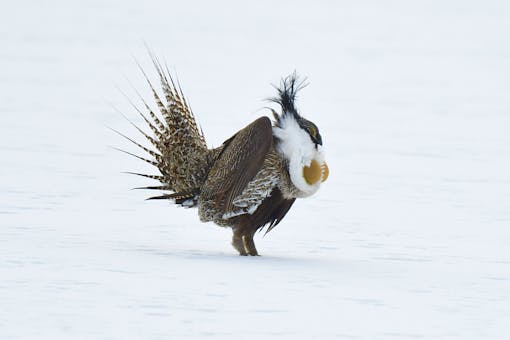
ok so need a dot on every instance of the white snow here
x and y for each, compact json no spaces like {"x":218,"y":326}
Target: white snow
{"x":408,"y":238}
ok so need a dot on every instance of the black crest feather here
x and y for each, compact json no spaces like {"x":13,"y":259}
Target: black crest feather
{"x":287,"y":92}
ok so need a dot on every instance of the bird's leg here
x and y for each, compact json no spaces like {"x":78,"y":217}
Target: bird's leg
{"x":237,"y":242}
{"x":243,"y":243}
{"x":249,"y":245}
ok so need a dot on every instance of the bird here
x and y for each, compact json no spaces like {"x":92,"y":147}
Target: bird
{"x":251,"y":180}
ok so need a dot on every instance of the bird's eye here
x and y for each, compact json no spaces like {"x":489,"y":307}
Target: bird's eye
{"x":313,"y":131}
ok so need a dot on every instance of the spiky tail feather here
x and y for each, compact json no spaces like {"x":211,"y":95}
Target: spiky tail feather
{"x":182,"y":154}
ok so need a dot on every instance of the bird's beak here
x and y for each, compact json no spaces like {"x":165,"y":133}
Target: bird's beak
{"x":324,"y":172}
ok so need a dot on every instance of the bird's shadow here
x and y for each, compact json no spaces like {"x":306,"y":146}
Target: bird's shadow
{"x":219,"y":256}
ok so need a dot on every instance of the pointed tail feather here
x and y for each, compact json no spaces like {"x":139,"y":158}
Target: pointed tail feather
{"x":186,"y":199}
{"x":182,"y":156}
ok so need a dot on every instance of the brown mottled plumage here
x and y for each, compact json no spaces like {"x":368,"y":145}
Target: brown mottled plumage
{"x":245,"y":183}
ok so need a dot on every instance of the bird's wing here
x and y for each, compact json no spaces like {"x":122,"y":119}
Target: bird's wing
{"x":239,"y":161}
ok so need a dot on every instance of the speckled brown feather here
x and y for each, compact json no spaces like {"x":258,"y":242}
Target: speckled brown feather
{"x":182,"y":156}
{"x":240,"y":160}
{"x":243,"y":184}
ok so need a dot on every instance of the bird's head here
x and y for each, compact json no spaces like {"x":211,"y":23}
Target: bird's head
{"x":312,"y":130}
{"x":298,"y":139}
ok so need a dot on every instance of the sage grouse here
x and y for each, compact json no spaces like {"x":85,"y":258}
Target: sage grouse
{"x":251,"y":180}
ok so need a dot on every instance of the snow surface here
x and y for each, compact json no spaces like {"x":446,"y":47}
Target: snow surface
{"x":409,"y":238}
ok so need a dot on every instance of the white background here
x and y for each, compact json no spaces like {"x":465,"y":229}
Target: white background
{"x":409,"y":237}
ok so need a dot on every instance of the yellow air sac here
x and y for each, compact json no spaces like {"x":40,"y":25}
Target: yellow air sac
{"x":312,"y":173}
{"x":324,"y":172}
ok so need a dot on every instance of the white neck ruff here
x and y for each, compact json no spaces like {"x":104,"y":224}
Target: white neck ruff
{"x":297,"y":147}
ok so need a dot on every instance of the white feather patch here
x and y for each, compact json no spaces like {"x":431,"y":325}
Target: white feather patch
{"x":255,"y":192}
{"x":297,"y":147}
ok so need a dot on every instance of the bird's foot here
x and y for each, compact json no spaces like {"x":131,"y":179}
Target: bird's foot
{"x":238,"y":244}
{"x":244,"y":244}
{"x":249,"y":245}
